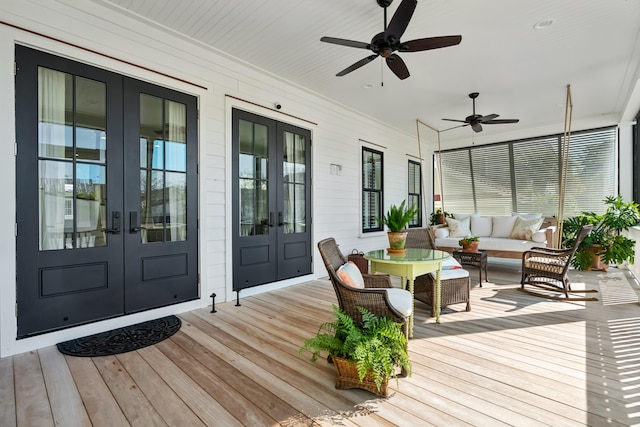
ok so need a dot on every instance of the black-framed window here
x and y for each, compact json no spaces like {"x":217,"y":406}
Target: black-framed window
{"x":414,"y":197}
{"x":372,"y":169}
{"x":525,"y":175}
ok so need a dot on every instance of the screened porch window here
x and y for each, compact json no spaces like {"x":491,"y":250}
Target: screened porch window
{"x":524,"y":176}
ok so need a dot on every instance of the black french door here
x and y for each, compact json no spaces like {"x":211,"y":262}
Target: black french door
{"x":106,"y":188}
{"x":271,"y":200}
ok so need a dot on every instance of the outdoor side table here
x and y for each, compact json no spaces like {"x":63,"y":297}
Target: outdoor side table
{"x":475,"y":259}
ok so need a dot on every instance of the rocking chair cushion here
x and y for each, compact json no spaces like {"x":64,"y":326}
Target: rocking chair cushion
{"x":350,"y":274}
{"x":400,"y":300}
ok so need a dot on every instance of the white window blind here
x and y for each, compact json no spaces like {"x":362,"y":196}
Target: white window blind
{"x":524,"y":176}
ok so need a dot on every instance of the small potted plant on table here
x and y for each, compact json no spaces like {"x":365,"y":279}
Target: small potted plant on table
{"x":396,"y":220}
{"x":364,"y":356}
{"x":469,"y":244}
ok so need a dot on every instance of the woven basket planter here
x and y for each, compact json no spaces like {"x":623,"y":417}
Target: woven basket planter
{"x":348,"y":378}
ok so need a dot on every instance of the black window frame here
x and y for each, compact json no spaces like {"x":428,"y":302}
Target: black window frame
{"x":370,"y":224}
{"x":413,"y":197}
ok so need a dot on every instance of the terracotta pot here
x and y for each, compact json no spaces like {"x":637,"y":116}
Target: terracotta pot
{"x":596,"y":260}
{"x":397,"y":241}
{"x":470,"y":247}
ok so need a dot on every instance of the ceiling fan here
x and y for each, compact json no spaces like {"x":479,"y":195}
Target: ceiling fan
{"x":384,"y":44}
{"x":477,"y":120}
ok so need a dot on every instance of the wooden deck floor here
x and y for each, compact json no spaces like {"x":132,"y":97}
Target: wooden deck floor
{"x":514,"y":359}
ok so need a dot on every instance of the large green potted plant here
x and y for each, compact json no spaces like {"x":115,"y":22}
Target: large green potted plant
{"x":364,"y":356}
{"x":396,"y":219}
{"x":605,"y":244}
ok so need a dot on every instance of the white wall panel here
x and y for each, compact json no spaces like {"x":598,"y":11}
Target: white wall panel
{"x":336,"y":139}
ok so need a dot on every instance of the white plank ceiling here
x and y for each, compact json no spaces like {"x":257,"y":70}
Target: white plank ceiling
{"x":520,"y":72}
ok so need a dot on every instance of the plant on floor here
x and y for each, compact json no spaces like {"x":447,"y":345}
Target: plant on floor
{"x":377,"y":347}
{"x":605,"y":240}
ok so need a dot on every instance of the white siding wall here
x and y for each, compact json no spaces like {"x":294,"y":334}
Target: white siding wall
{"x":336,"y":139}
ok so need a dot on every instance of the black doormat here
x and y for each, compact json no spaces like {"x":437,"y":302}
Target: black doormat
{"x":122,"y":340}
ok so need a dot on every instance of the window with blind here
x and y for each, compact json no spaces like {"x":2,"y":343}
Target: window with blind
{"x":524,"y":176}
{"x":371,"y":190}
{"x":415,"y":192}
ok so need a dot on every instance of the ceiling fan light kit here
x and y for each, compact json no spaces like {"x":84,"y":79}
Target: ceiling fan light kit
{"x":477,"y":120}
{"x":386,"y":43}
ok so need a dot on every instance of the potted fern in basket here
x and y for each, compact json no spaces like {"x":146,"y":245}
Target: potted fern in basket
{"x":364,"y":356}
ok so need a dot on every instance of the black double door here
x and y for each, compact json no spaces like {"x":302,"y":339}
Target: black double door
{"x":106,"y":188}
{"x":271,"y":200}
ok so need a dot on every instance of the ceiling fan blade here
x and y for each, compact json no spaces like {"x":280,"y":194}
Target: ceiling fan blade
{"x":455,"y":127}
{"x":429,"y":43}
{"x":487,"y":118}
{"x":501,"y":121}
{"x":455,"y":120}
{"x":397,"y":65}
{"x":357,"y":65}
{"x":477,"y":127}
{"x":401,"y":19}
{"x":345,"y":42}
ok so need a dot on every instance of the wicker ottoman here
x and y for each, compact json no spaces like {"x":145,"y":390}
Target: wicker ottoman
{"x":454,"y":284}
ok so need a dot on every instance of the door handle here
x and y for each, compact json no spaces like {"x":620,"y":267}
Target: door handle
{"x":271,"y":219}
{"x":280,"y":223}
{"x":134,"y":227}
{"x":115,"y":223}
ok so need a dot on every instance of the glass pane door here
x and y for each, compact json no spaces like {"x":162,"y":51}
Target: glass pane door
{"x":71,"y":161}
{"x":253,"y":178}
{"x":163,"y":166}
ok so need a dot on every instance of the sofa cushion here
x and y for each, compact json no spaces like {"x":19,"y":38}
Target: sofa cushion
{"x":459,"y":228}
{"x":523,"y":229}
{"x":492,"y":244}
{"x":481,"y":226}
{"x":460,"y":216}
{"x":539,"y":236}
{"x":502,"y":226}
{"x":441,"y":232}
{"x":350,"y":274}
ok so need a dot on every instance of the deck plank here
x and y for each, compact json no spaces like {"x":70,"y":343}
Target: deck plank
{"x":514,"y":359}
{"x":32,"y":403}
{"x":101,"y":406}
{"x":66,"y":403}
{"x":7,"y":393}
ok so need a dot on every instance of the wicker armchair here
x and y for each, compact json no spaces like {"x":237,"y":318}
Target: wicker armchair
{"x":373,"y":297}
{"x":547,"y":269}
{"x":454,"y":284}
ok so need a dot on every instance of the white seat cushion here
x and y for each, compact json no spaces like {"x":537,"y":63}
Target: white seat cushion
{"x":451,"y":274}
{"x":400,"y":300}
{"x":451,"y":264}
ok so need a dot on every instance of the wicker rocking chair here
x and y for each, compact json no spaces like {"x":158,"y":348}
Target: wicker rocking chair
{"x":454,"y":284}
{"x":546,"y":269}
{"x":374,"y":296}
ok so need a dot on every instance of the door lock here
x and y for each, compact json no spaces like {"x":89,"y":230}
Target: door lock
{"x":115,"y":223}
